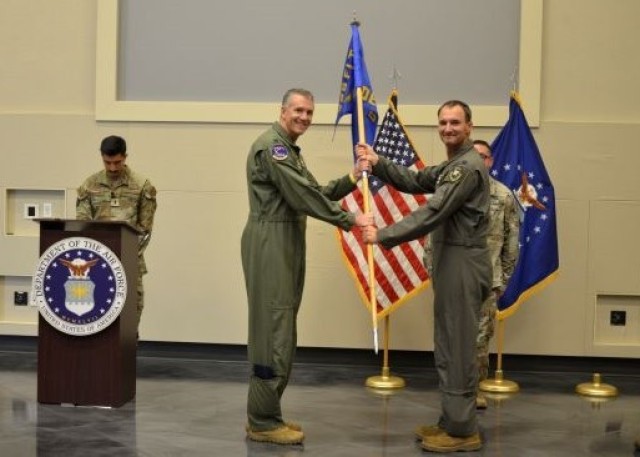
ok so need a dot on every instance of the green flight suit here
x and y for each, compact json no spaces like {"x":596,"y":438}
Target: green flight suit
{"x":502,"y":241}
{"x":457,"y":216}
{"x":282,"y":193}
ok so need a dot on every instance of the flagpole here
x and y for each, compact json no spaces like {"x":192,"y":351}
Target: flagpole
{"x":365,"y":197}
{"x":385,"y":380}
{"x":499,"y":384}
{"x":352,"y":94}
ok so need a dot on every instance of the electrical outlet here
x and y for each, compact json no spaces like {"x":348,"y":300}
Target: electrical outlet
{"x":20,"y":298}
{"x":618,"y":318}
{"x":30,"y":210}
{"x":47,"y":209}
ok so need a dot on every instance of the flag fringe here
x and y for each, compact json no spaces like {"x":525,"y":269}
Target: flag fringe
{"x":524,"y":296}
{"x":340,"y":237}
{"x":361,"y":291}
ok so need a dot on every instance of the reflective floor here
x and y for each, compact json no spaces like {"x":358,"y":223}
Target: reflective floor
{"x":195,"y":407}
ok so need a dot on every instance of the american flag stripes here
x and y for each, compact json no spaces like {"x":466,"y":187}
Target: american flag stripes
{"x":399,"y":272}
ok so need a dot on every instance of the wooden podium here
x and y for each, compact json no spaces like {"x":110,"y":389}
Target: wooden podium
{"x":97,"y":369}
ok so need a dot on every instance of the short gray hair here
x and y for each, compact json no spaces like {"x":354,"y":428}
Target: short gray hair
{"x":304,"y":92}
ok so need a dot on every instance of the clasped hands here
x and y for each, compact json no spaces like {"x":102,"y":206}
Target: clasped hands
{"x":369,"y":230}
{"x":366,"y":159}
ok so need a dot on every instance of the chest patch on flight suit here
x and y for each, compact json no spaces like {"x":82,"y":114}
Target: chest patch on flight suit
{"x":454,"y":175}
{"x":279,"y":152}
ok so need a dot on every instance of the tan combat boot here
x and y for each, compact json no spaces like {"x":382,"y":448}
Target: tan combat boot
{"x":292,"y":425}
{"x":446,"y":443}
{"x":427,"y":430}
{"x":280,"y":435}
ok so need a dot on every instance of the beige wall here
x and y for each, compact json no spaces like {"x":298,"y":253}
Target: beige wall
{"x":590,"y":119}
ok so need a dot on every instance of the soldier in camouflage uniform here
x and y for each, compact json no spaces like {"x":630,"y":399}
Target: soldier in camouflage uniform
{"x":457,"y":216}
{"x":282,"y":193}
{"x":118,"y":194}
{"x":504,"y":230}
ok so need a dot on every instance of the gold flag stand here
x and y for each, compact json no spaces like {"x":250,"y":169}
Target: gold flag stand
{"x":499,"y":384}
{"x":596,"y":388}
{"x":385,"y":380}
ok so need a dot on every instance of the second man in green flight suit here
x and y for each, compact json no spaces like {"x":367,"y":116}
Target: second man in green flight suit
{"x":457,"y":217}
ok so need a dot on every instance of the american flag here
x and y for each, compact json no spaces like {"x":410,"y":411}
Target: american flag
{"x":399,"y":272}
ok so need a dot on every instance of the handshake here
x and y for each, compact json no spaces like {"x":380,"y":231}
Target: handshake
{"x":367,"y":158}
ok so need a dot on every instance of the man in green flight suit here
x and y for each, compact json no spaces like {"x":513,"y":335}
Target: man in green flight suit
{"x":503,"y":244}
{"x":117,"y":193}
{"x":282,"y":193}
{"x":457,"y":216}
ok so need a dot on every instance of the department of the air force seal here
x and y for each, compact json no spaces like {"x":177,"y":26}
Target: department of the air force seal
{"x":79,"y":286}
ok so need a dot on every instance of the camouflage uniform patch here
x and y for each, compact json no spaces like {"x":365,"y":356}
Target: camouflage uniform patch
{"x":502,"y":240}
{"x":486,"y":329}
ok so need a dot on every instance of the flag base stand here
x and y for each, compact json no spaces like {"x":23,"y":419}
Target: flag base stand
{"x":596,"y":388}
{"x":499,"y":397}
{"x":385,"y":381}
{"x":499,"y":384}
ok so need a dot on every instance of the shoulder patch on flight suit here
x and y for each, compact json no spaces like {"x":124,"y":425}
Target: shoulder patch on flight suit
{"x":454,"y":175}
{"x":279,"y":152}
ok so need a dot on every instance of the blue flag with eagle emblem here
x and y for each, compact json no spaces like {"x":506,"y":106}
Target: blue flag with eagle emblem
{"x":519,"y":166}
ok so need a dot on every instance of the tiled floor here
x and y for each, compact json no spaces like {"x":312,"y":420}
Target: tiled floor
{"x":189,"y":407}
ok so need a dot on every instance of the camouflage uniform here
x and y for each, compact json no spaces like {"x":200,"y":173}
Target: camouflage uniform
{"x":282,"y":193}
{"x":131,"y":198}
{"x":502,"y":240}
{"x":457,"y":215}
